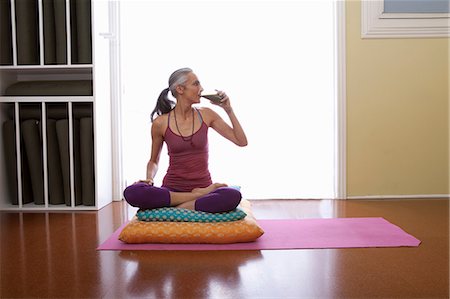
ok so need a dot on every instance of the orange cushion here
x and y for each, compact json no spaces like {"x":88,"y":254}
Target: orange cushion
{"x":245,"y":230}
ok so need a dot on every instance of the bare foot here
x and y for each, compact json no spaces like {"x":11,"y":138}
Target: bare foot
{"x":203,"y":191}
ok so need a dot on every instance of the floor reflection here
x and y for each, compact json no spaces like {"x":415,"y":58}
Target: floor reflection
{"x":49,"y":250}
{"x":186,"y":274}
{"x":288,"y":209}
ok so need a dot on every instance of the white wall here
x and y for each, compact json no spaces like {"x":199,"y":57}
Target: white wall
{"x":273,"y":58}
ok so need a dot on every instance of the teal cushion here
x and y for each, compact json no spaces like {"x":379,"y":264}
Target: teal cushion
{"x":185,"y":215}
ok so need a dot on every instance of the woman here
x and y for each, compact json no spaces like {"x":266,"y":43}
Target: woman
{"x":187,"y":183}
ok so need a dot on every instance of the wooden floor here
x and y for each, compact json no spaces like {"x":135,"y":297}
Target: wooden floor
{"x":50,"y":255}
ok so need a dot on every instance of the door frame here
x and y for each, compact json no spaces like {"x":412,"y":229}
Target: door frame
{"x":340,"y":103}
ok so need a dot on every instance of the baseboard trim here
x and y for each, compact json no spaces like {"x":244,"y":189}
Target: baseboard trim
{"x":412,"y":196}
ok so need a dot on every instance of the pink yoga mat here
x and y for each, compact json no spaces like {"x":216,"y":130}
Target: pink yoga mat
{"x":298,"y":234}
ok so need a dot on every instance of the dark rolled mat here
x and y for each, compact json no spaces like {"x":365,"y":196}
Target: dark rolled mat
{"x":62,"y":131}
{"x":6,"y":55}
{"x":50,"y":88}
{"x":84,"y":38}
{"x":27,"y":192}
{"x":9,"y":143}
{"x":73,"y":32}
{"x":82,"y":110}
{"x":33,"y":149}
{"x":87,"y":161}
{"x":55,"y":180}
{"x":60,"y":31}
{"x":27,"y":28}
{"x":77,"y":162}
{"x":49,"y":32}
{"x":55,"y":43}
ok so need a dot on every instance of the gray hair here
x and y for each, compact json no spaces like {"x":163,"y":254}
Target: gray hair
{"x":164,"y":104}
{"x":178,"y":77}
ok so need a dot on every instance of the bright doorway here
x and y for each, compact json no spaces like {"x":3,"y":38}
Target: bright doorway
{"x":276,"y":60}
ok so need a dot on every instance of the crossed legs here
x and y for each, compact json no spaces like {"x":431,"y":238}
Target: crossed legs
{"x":215,"y":198}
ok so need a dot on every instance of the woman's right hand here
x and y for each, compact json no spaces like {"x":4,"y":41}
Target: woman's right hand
{"x":148,"y":181}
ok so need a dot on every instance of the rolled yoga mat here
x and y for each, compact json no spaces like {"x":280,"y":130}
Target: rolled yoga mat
{"x":60,"y":31}
{"x":27,"y":28}
{"x":87,"y":161}
{"x":50,"y":88}
{"x":77,"y":162}
{"x":62,"y":131}
{"x":55,"y":37}
{"x":55,"y":178}
{"x":33,"y":149}
{"x":84,"y":38}
{"x":9,"y":142}
{"x":49,"y":32}
{"x":6,"y":56}
{"x":73,"y":32}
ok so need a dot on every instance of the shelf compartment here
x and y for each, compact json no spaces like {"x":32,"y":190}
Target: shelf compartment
{"x":55,"y":178}
{"x":31,"y":144}
{"x":27,"y":32}
{"x":80,"y":31}
{"x":56,"y":146}
{"x":16,"y":170}
{"x":54,"y":31}
{"x":52,"y":79}
{"x":84,"y":144}
{"x":50,"y":88}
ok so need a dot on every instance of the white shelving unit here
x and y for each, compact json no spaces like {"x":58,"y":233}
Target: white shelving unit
{"x":98,"y":103}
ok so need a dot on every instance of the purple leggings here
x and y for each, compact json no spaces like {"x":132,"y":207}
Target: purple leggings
{"x":145,"y":196}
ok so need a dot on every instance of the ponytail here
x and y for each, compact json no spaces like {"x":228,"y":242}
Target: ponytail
{"x":163,"y":104}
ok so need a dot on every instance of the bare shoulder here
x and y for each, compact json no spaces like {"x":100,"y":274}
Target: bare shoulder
{"x":204,"y":110}
{"x":160,"y":124}
{"x":208,"y":114}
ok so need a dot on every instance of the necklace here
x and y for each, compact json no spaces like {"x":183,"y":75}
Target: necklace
{"x":189,"y":138}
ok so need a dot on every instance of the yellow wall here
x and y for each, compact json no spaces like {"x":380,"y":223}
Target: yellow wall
{"x":397,"y":113}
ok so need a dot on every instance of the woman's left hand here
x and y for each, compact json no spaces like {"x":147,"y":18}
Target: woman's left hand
{"x":225,"y":102}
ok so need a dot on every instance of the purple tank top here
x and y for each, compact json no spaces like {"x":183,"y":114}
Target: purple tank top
{"x":188,"y":160}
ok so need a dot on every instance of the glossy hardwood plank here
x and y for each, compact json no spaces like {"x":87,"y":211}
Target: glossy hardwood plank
{"x":52,"y":255}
